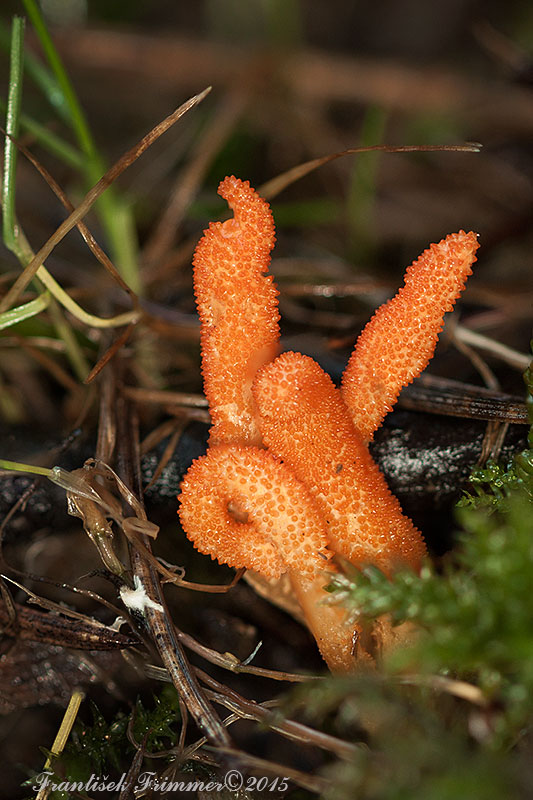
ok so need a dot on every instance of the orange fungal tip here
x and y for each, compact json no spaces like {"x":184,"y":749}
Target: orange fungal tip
{"x":252,"y":215}
{"x":238,"y":309}
{"x":400,"y":339}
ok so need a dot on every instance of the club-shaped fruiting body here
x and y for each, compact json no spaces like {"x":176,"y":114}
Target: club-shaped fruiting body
{"x":313,"y":490}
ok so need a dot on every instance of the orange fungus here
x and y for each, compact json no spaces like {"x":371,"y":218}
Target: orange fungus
{"x":305,"y":422}
{"x":238,"y":309}
{"x":399,"y":341}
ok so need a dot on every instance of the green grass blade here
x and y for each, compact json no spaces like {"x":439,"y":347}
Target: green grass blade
{"x":16,"y":466}
{"x":65,"y":332}
{"x":113,"y":210}
{"x":40,"y":75}
{"x":12,"y":126}
{"x":49,"y":140}
{"x":20,"y":313}
{"x":77,"y":117}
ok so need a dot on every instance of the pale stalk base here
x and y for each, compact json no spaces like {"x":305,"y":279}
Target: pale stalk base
{"x":338,"y":641}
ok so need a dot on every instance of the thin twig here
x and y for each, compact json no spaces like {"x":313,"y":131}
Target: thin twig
{"x":35,"y":267}
{"x":208,"y":146}
{"x":462,"y":689}
{"x":61,"y":739}
{"x":293,"y":730}
{"x":229,"y":662}
{"x":276,"y":185}
{"x":452,"y":398}
{"x":507,"y":354}
{"x":163,"y":397}
{"x":158,"y":621}
{"x":313,"y":783}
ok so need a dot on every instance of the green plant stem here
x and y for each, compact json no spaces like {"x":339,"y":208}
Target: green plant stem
{"x":49,"y":140}
{"x":26,"y":254}
{"x":15,"y":315}
{"x":77,"y":311}
{"x":76,"y":115}
{"x":41,"y":76}
{"x":16,"y":466}
{"x":9,"y":224}
{"x":14,"y":239}
{"x":113,"y":210}
{"x":64,"y":330}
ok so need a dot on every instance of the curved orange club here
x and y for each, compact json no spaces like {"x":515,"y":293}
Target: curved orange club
{"x":304,"y":421}
{"x":238,"y":309}
{"x":399,"y":341}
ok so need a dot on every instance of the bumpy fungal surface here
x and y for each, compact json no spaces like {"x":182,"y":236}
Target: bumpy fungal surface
{"x":238,"y":309}
{"x":398,"y":342}
{"x":305,"y":422}
{"x":243,"y":507}
{"x":315,"y":490}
